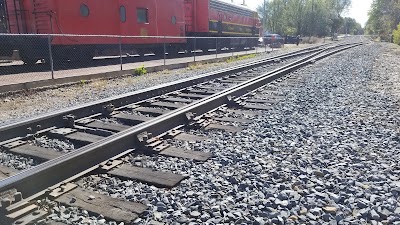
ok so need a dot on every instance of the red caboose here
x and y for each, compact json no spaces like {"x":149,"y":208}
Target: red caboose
{"x":213,"y":18}
{"x":92,"y":17}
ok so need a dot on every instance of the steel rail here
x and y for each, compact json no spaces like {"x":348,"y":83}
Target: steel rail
{"x":48,"y":120}
{"x":39,"y":178}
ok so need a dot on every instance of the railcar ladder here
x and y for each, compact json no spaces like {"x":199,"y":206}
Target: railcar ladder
{"x":189,"y":17}
{"x":3,"y":17}
{"x":42,"y":16}
{"x":15,"y":16}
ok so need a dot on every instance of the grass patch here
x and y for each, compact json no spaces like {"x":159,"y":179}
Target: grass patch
{"x":195,"y":66}
{"x":240,"y":57}
{"x":140,"y":71}
{"x":83,"y":82}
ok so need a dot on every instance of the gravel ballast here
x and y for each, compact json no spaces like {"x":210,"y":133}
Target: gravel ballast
{"x":326,"y":154}
{"x":65,"y":146}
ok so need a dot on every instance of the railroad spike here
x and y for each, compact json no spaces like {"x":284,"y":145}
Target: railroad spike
{"x":108,"y":109}
{"x":190,"y":117}
{"x":5,"y":203}
{"x":233,"y":102}
{"x":144,"y":136}
{"x":158,"y":146}
{"x":18,"y":196}
{"x":69,"y":120}
{"x":29,"y":130}
{"x":148,"y":102}
{"x":110,"y":164}
{"x":173,"y":133}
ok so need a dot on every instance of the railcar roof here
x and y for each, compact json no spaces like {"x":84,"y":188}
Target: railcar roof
{"x":235,"y":5}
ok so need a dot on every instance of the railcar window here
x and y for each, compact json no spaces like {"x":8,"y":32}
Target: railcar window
{"x":142,"y":16}
{"x":173,"y":20}
{"x":84,"y":10}
{"x":122,"y":14}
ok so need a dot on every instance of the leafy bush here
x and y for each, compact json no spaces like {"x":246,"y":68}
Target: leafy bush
{"x":396,"y":35}
{"x":140,"y":71}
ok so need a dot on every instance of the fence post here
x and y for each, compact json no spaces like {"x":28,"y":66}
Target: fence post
{"x":216,"y":47}
{"x":51,"y":57}
{"x":194,"y":49}
{"x":256,"y":46}
{"x":120,"y":51}
{"x":164,"y":50}
{"x":265,"y":45}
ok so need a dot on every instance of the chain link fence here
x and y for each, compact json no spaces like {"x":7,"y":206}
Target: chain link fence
{"x":26,"y":58}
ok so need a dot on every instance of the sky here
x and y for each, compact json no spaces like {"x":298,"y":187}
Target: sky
{"x":358,"y":10}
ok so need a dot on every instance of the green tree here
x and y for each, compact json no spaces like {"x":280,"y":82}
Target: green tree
{"x":305,"y":17}
{"x":350,"y":26}
{"x":384,"y":16}
{"x":396,"y":35}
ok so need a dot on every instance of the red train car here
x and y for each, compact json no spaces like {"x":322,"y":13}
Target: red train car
{"x":214,"y":18}
{"x":207,"y":18}
{"x":116,"y":17}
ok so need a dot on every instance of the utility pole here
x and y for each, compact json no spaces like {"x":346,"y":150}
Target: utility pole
{"x":312,"y":18}
{"x":312,"y":9}
{"x":265,"y":15}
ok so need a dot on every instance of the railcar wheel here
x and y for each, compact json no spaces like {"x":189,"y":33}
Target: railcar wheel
{"x":29,"y":61}
{"x":85,"y":55}
{"x":28,"y":58}
{"x":86,"y":58}
{"x":173,"y":52}
{"x":141,"y":52}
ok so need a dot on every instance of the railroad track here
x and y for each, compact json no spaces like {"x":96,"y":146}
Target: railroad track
{"x":151,"y":121}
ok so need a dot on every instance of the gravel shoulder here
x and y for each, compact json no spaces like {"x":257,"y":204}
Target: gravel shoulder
{"x":26,"y":105}
{"x":387,"y":67}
